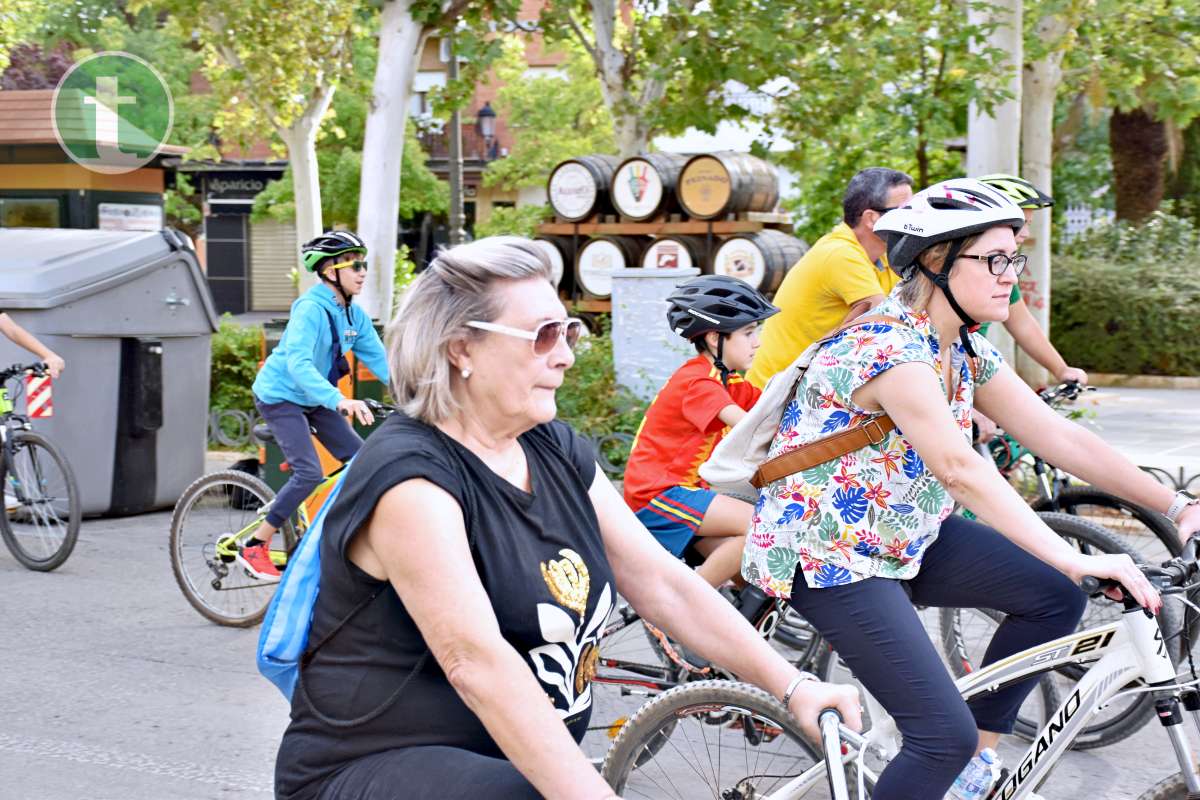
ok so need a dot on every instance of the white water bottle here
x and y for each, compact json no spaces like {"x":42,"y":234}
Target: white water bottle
{"x":976,"y":779}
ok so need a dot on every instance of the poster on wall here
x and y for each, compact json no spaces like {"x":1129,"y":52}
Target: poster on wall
{"x":129,"y":217}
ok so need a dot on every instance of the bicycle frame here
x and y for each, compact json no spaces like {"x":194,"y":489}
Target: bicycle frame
{"x":228,"y":547}
{"x":1127,"y":650}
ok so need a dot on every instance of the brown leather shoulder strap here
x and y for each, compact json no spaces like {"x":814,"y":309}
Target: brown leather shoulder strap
{"x":873,"y":431}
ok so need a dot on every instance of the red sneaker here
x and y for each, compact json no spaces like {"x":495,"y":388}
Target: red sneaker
{"x":256,"y":560}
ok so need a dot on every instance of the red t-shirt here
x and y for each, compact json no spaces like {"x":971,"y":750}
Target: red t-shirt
{"x":680,"y":430}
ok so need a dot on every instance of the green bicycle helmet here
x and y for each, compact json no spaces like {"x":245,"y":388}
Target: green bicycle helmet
{"x":1019,"y":190}
{"x":328,"y":244}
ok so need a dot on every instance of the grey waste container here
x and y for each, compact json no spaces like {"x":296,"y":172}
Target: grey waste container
{"x":132,"y":315}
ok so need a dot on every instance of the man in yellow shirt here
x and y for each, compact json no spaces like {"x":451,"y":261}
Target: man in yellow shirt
{"x":843,"y":275}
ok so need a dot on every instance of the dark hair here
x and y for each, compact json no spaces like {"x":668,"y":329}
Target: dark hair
{"x":869,"y":189}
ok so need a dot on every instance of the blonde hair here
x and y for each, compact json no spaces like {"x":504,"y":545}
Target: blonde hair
{"x":457,"y":287}
{"x":916,"y":289}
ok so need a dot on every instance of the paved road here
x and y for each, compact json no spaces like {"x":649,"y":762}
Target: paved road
{"x":112,"y":688}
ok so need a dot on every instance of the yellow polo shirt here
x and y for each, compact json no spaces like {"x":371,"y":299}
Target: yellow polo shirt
{"x":815,"y":297}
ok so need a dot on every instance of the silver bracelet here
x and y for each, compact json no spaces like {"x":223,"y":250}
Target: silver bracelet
{"x":794,"y":685}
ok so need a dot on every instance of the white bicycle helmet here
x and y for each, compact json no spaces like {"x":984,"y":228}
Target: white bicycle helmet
{"x":950,"y":211}
{"x":953,"y":209}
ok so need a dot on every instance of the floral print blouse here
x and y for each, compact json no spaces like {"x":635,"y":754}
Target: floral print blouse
{"x":873,"y":512}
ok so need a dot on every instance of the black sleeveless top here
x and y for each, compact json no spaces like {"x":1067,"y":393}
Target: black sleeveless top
{"x":542,"y":563}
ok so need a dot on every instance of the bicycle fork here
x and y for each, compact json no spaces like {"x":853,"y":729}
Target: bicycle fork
{"x":1159,"y":671}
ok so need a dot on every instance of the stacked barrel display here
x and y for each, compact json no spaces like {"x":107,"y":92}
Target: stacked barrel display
{"x":714,"y":211}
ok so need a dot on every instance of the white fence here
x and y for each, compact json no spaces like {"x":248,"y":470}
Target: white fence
{"x":1080,"y":218}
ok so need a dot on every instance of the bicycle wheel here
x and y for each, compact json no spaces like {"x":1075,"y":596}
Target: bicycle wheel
{"x":804,"y":641}
{"x":965,"y":637}
{"x":1170,"y":788}
{"x":708,"y":739}
{"x":1137,"y":527}
{"x":42,"y":507}
{"x":212,"y":516}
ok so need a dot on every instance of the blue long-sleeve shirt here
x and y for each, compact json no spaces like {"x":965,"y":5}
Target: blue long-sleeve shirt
{"x":297,"y":368}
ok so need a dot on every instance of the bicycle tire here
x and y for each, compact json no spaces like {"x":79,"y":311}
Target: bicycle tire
{"x":716,"y":704}
{"x":1123,"y":517}
{"x":1100,"y":733}
{"x":1173,"y":787}
{"x":233,"y":495}
{"x":66,"y":520}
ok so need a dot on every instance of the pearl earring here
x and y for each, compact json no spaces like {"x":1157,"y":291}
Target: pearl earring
{"x":466,"y":373}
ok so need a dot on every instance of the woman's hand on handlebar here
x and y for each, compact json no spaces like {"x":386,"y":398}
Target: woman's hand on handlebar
{"x":813,"y":697}
{"x":1189,"y":522}
{"x":1118,"y":567}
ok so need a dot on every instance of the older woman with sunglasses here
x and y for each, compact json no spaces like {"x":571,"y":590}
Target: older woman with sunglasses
{"x":296,"y":389}
{"x":472,"y":558}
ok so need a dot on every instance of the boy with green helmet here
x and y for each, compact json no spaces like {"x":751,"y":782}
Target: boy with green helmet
{"x":296,"y":389}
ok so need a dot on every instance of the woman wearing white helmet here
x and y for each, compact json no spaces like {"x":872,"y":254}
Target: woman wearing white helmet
{"x":847,"y":539}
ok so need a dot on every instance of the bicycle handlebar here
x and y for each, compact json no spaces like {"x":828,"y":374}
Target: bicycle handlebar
{"x":37,"y":368}
{"x":377,"y":408}
{"x":1170,"y":574}
{"x":1064,"y":392}
{"x":829,"y":721}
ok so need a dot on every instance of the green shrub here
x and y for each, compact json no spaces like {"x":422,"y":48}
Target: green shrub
{"x":234,"y":365}
{"x":1125,"y":299}
{"x":592,"y":401}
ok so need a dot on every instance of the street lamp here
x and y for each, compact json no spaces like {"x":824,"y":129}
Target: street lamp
{"x":485,"y":125}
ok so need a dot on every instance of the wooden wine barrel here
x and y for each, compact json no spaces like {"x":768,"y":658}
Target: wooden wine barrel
{"x":560,"y":250}
{"x":760,"y":259}
{"x":600,"y":256}
{"x":643,"y":187}
{"x":717,"y":184}
{"x":676,"y":252}
{"x":579,"y":187}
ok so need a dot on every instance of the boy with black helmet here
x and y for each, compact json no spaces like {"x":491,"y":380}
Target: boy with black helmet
{"x":720,"y":316}
{"x":296,"y":389}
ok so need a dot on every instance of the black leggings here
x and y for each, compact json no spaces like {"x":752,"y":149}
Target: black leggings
{"x":875,"y":629}
{"x":445,"y":773}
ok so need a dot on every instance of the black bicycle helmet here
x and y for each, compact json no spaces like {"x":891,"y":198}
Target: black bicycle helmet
{"x":716,"y":303}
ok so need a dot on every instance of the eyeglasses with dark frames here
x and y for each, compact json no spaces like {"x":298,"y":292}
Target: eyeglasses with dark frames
{"x":999,"y":262}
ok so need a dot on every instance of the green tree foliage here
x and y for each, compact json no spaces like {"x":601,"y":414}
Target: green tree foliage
{"x":1140,"y":64}
{"x":18,"y":18}
{"x":267,"y":62}
{"x":509,"y":221}
{"x":340,"y":170}
{"x":551,"y":117}
{"x":895,"y":96}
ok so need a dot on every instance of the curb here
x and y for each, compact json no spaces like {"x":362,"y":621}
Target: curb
{"x":1144,"y":381}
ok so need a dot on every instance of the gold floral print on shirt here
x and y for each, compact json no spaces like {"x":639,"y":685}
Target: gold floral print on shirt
{"x":586,"y":671}
{"x":568,"y":581}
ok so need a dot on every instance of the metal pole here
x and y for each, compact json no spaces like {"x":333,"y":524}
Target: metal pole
{"x":455,"y":165}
